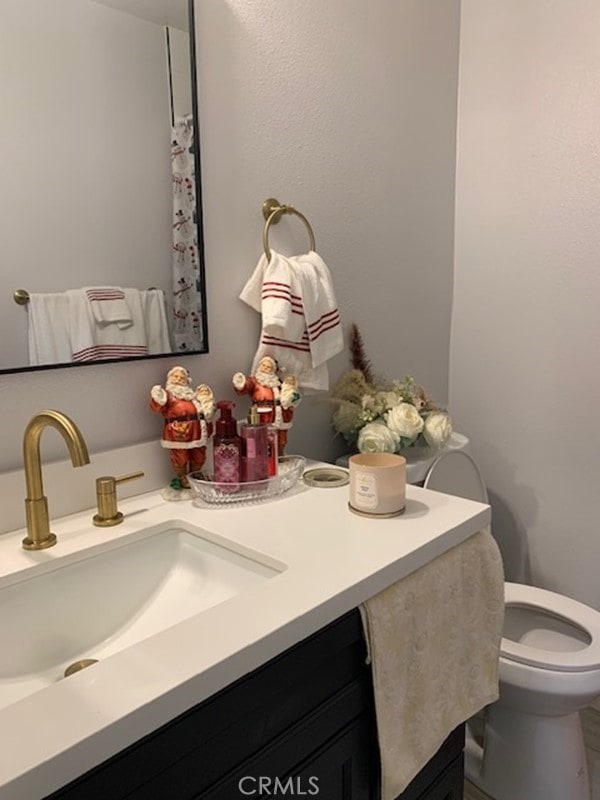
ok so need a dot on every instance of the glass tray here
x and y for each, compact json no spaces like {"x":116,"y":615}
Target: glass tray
{"x":290,"y":469}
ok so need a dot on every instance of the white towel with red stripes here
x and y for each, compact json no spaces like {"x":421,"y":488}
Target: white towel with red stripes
{"x":91,"y":324}
{"x":301,"y":325}
{"x":109,"y":306}
{"x":91,"y":340}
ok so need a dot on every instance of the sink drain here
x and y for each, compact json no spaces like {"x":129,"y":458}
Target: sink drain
{"x":76,"y":666}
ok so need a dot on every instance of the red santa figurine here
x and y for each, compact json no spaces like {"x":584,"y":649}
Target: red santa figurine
{"x":188,"y":417}
{"x":275,"y":400}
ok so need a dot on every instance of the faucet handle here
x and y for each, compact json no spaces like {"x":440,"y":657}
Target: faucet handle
{"x":106,"y":496}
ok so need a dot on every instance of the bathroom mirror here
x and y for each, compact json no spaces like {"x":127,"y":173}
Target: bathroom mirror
{"x":100,"y":176}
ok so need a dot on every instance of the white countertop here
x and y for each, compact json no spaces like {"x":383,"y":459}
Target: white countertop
{"x":335,"y":560}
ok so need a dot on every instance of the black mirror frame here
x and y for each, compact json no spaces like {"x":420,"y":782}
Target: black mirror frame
{"x":199,"y":231}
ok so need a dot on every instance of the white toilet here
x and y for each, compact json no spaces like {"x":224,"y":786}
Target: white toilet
{"x":529,"y":745}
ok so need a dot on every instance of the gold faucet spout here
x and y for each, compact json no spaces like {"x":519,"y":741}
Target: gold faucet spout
{"x":36,"y":506}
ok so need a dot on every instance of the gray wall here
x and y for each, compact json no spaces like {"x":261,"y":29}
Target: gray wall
{"x":524,"y":375}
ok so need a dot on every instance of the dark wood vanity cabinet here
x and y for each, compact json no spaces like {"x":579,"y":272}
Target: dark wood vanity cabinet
{"x":302,"y":725}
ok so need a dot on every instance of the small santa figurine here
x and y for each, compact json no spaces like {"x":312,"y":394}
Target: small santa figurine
{"x":188,"y":415}
{"x":275,"y":400}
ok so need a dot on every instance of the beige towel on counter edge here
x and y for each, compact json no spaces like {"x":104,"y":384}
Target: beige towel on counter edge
{"x":434,"y":641}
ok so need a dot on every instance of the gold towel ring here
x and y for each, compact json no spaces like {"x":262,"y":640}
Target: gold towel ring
{"x":272,"y":211}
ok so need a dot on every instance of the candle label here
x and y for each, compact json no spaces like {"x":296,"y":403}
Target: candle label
{"x":365,"y":489}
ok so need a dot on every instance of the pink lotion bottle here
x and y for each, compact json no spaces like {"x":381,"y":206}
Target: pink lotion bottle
{"x":255,"y":448}
{"x":227,"y":448}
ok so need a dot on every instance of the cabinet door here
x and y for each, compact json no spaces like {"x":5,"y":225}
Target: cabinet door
{"x":449,"y":785}
{"x":341,"y":769}
{"x":347,"y":767}
{"x":448,"y":757}
{"x":283,"y":756}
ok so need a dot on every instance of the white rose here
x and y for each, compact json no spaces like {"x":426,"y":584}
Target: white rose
{"x":405,"y":421}
{"x":438,"y":428}
{"x":376,"y":437}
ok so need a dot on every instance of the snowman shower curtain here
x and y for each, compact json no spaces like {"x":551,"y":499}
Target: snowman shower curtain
{"x":187,"y":299}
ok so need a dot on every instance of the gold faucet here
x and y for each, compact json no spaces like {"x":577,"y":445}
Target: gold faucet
{"x":36,"y":506}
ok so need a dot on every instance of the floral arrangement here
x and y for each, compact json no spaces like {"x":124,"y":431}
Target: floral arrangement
{"x":380,"y":416}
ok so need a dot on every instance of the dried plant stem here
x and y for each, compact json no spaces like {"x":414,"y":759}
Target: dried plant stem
{"x":358,"y":354}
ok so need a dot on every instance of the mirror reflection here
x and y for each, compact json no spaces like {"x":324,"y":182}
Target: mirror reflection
{"x":100,"y":206}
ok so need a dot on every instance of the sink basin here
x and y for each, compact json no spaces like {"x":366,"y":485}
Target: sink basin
{"x":108,"y":597}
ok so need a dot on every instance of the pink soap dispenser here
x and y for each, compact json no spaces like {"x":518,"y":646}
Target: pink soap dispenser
{"x":226,"y":448}
{"x":255,"y":448}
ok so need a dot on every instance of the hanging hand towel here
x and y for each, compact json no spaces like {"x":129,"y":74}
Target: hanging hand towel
{"x":274,"y":291}
{"x":109,"y":306}
{"x":320,"y":307}
{"x":48,"y":330}
{"x":301,"y":346}
{"x":155,"y":321}
{"x":91,"y":341}
{"x":434,"y":643}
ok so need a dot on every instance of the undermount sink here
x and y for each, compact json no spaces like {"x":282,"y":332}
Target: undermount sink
{"x":109,"y":597}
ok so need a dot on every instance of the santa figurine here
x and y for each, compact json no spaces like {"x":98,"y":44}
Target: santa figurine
{"x":188,"y":415}
{"x":275,"y":400}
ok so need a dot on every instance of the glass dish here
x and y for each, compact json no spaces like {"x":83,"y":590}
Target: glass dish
{"x":290,"y":469}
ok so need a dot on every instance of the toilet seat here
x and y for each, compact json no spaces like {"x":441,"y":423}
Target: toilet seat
{"x":577,"y":614}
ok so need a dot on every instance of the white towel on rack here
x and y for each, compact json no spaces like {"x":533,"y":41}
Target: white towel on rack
{"x":109,"y":306}
{"x":321,"y":313}
{"x":91,"y":341}
{"x":274,"y":291}
{"x":48,"y":329}
{"x":300,"y":321}
{"x":155,"y":317}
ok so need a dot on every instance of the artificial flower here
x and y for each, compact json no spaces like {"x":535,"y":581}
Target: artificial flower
{"x":376,"y":437}
{"x":437,"y":429}
{"x":405,"y":420}
{"x":385,"y":416}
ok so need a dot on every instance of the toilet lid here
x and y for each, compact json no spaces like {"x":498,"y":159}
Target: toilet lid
{"x":566,"y":609}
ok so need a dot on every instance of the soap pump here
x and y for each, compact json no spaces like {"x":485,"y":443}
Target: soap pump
{"x":226,"y":445}
{"x":255,"y":447}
